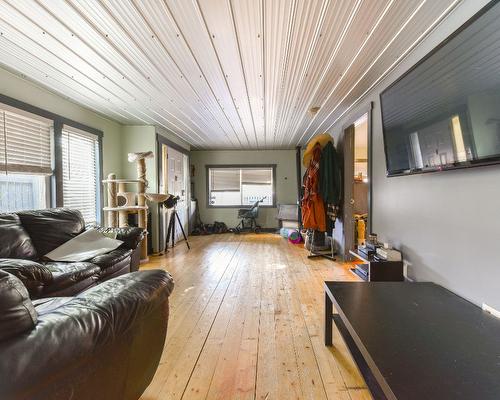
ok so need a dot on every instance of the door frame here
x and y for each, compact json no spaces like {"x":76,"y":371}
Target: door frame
{"x":368,"y":111}
{"x":160,"y":141}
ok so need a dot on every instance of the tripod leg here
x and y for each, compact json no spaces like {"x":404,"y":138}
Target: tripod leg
{"x":182,"y":230}
{"x":169,"y":232}
{"x":174,"y":213}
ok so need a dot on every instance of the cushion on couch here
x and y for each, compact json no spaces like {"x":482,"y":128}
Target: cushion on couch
{"x":113,"y":261}
{"x":17,"y":314}
{"x":32,"y":274}
{"x":48,"y":305}
{"x":15,"y":241}
{"x":70,"y":278}
{"x":51,"y":228}
{"x":131,"y":236}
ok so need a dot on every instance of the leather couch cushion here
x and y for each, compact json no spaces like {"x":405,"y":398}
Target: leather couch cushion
{"x":131,"y":236}
{"x":33,"y":275}
{"x":15,"y":241}
{"x":69,"y":274}
{"x":112,"y":261}
{"x":17,"y":313}
{"x":49,"y":304}
{"x":52,"y":227}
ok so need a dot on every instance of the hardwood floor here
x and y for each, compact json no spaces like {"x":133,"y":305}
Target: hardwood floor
{"x":246,"y":322}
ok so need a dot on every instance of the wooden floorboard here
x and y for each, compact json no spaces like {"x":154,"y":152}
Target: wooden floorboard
{"x":246,"y":322}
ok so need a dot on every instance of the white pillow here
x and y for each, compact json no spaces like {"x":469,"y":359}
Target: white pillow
{"x":85,"y":246}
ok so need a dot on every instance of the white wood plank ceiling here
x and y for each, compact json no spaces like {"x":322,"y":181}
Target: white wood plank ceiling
{"x":217,"y":73}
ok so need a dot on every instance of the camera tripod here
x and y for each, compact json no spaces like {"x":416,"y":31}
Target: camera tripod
{"x":171,"y":230}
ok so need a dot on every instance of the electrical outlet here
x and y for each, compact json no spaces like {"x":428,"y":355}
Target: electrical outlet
{"x":491,"y":310}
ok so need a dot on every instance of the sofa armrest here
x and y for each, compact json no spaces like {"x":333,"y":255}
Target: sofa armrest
{"x":32,"y":274}
{"x":17,"y":313}
{"x":131,"y":236}
{"x":107,"y":342}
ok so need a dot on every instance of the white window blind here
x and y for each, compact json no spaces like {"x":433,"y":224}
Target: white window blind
{"x":79,"y":155}
{"x":225,"y":179}
{"x":256,"y":176}
{"x":25,"y":143}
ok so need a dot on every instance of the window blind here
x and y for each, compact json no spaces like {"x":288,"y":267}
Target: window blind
{"x":25,"y":143}
{"x":225,"y":179}
{"x":257,"y":176}
{"x":79,"y":156}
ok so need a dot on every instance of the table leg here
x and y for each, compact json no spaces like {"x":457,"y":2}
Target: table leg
{"x":328,"y":321}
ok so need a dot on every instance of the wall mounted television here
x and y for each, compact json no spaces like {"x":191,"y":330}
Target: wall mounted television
{"x":444,"y":113}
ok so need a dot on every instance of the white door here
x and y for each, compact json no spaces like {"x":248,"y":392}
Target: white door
{"x":176,"y":167}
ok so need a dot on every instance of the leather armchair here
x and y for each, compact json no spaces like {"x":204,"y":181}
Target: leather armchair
{"x":105,"y":343}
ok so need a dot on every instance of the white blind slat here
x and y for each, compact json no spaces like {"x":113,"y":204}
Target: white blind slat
{"x":25,"y":143}
{"x":225,"y":179}
{"x":79,"y":157}
{"x":257,"y":176}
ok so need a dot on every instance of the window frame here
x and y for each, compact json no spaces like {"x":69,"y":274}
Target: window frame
{"x":240,"y":166}
{"x":56,"y":180}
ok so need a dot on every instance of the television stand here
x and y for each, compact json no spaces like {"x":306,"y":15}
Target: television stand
{"x":375,"y":269}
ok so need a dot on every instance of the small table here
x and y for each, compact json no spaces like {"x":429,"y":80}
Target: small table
{"x":416,"y":341}
{"x":376,"y":269}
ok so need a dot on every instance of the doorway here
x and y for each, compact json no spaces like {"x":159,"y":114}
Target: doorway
{"x":173,"y":179}
{"x":356,"y":214}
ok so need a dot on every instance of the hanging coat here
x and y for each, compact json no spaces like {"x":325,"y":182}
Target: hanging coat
{"x":330,"y":176}
{"x":313,"y":208}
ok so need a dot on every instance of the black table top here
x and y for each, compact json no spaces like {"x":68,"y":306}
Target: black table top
{"x":421,"y":340}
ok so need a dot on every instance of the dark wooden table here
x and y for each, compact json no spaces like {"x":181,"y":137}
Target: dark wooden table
{"x":416,"y":341}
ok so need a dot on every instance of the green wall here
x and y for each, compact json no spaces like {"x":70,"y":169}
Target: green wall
{"x":286,"y":181}
{"x":20,"y":89}
{"x":135,"y":139}
{"x":143,"y":138}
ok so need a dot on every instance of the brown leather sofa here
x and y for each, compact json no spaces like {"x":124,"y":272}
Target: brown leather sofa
{"x":104,"y":343}
{"x":25,"y":237}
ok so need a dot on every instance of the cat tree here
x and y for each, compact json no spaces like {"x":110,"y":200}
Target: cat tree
{"x":121,"y":202}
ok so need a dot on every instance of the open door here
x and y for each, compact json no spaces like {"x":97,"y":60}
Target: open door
{"x":355,"y":221}
{"x":177,"y":186}
{"x":174,"y":180}
{"x":348,"y":208}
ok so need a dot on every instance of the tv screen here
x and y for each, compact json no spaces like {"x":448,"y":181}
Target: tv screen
{"x":445,"y":112}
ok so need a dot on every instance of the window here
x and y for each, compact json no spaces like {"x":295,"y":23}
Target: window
{"x":80,"y":172}
{"x":46,"y":162}
{"x":235,"y":186}
{"x":23,"y":192}
{"x":26,"y":148}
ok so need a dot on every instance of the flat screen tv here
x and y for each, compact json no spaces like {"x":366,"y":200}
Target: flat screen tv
{"x":445,"y":112}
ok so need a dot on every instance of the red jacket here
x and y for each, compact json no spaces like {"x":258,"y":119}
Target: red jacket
{"x":313,"y":208}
